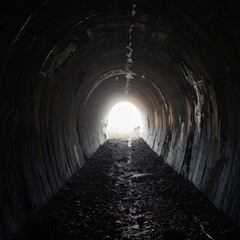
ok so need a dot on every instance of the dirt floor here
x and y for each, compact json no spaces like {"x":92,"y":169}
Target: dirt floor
{"x":125,"y":191}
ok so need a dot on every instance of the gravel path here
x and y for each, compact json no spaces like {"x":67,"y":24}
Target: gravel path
{"x":125,"y":191}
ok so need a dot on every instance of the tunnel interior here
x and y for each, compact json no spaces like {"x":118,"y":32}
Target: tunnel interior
{"x":65,"y":65}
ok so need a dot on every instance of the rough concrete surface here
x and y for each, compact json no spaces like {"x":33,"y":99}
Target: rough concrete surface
{"x":65,"y":64}
{"x":125,"y":191}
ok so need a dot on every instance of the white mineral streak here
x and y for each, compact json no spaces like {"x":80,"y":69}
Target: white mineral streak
{"x":111,"y":74}
{"x":196,"y":85}
{"x":160,"y":93}
{"x":85,"y":19}
{"x":129,"y":61}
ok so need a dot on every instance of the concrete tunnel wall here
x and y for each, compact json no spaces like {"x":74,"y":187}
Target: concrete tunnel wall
{"x":65,"y":65}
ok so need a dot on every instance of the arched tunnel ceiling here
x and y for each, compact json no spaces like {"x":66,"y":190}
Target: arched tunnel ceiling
{"x":66,"y":64}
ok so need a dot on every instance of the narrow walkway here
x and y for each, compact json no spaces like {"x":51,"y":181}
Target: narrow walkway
{"x":125,"y":191}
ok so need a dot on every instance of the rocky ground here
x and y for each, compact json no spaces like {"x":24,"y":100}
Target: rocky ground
{"x":125,"y":191}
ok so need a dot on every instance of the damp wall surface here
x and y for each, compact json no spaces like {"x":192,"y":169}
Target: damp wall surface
{"x":64,"y":65}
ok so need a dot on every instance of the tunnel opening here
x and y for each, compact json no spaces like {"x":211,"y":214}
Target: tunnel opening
{"x":65,"y":65}
{"x":124,"y":121}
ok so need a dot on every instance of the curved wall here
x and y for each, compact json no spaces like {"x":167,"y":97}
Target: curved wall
{"x":65,"y":65}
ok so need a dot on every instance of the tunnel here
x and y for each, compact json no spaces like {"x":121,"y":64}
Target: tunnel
{"x":66,"y":64}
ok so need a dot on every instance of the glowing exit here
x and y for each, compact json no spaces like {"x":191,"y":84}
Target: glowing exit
{"x":124,"y":120}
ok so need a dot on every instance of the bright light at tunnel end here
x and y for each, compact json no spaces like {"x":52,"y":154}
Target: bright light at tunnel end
{"x":124,"y":121}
